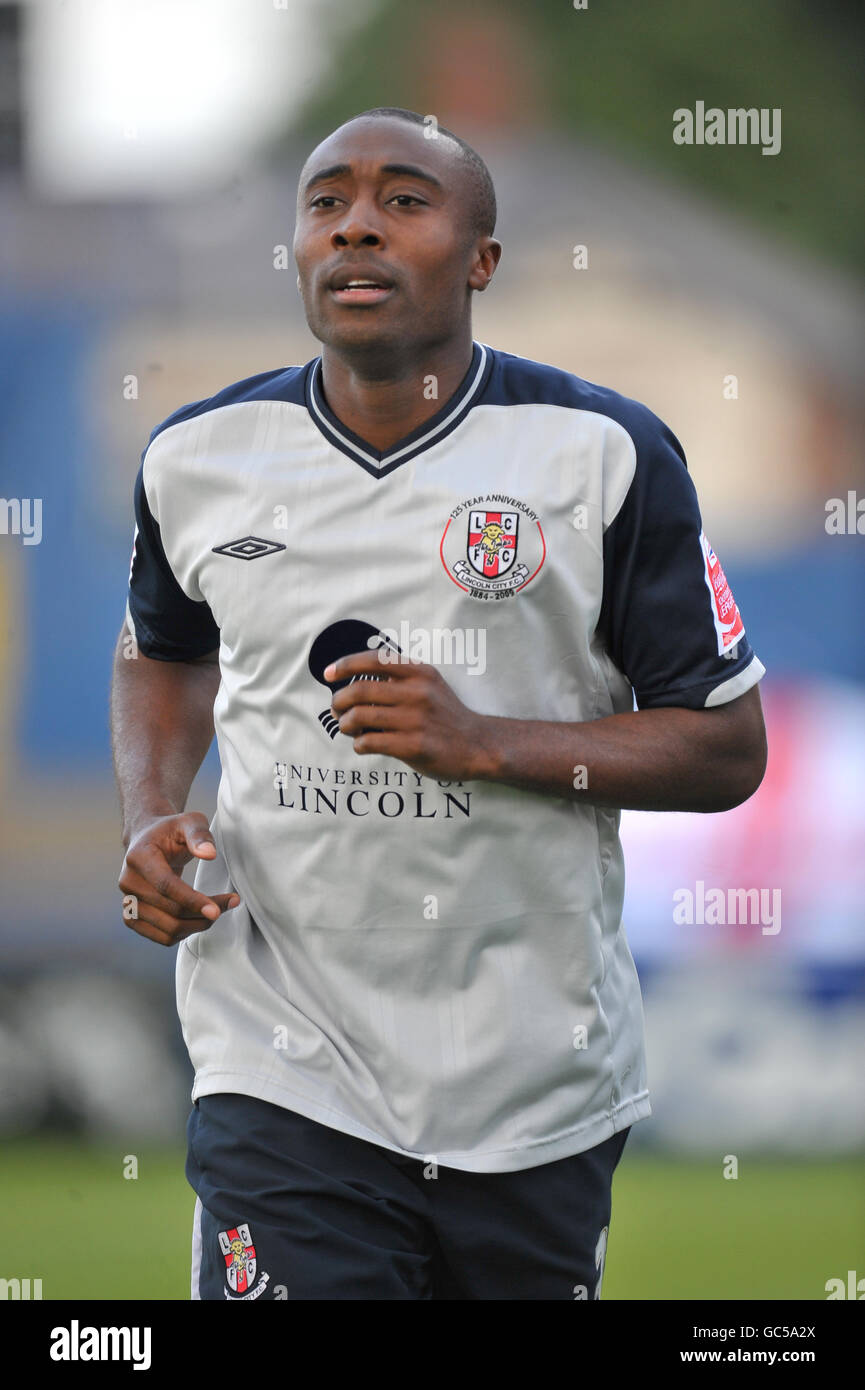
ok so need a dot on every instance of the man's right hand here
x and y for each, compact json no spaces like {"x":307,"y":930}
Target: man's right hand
{"x":157,"y":903}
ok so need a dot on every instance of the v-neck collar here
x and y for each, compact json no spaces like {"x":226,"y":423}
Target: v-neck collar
{"x":379,"y":464}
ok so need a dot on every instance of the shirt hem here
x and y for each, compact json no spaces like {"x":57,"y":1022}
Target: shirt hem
{"x":212,"y":1081}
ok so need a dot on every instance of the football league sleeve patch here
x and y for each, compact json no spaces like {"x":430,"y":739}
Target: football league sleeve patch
{"x":167,"y":624}
{"x":668,"y":615}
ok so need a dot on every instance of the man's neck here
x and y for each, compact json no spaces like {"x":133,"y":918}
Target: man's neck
{"x":385,"y":407}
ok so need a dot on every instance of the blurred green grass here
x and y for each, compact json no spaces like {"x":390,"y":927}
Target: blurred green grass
{"x":679,"y":1229}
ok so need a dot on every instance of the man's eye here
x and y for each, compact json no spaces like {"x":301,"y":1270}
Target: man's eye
{"x":322,"y":198}
{"x":406,"y":197}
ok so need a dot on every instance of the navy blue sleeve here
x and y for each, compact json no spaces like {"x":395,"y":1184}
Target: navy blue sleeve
{"x":668,"y":618}
{"x":168,"y":625}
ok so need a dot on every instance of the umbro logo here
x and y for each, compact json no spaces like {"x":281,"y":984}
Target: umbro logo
{"x":248,"y":548}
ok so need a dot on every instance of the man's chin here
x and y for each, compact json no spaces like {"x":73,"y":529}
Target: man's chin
{"x":362,"y":332}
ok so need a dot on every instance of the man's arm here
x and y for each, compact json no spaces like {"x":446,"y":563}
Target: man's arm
{"x":161,"y":729}
{"x":668,"y":759}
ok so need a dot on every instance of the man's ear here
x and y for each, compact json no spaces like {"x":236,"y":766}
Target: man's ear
{"x":488,"y":257}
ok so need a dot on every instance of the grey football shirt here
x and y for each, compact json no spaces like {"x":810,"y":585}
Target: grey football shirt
{"x":437,"y":967}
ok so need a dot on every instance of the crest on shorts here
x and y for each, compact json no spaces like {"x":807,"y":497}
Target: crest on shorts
{"x":240,"y":1263}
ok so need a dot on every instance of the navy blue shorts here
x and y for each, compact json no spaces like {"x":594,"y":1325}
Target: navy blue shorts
{"x":290,"y":1209}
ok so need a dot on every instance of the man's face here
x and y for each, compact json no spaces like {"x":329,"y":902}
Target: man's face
{"x":390,"y":210}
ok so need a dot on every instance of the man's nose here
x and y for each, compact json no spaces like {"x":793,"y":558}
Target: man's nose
{"x":359,"y":226}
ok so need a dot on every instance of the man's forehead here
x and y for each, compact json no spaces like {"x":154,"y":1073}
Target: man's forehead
{"x":374,"y":141}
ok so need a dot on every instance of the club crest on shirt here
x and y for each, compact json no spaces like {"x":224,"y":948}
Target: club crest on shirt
{"x":240,"y":1263}
{"x":492,"y":546}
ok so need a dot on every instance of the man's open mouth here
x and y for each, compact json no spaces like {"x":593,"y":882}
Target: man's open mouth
{"x":348,"y":288}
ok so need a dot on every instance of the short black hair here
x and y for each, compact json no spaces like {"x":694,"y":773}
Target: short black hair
{"x":482,"y":209}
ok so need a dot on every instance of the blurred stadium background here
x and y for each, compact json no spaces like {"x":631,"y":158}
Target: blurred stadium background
{"x":148,"y":157}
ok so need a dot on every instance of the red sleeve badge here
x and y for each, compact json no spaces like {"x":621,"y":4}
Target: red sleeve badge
{"x":728,"y":620}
